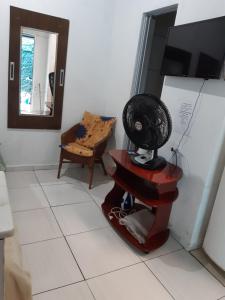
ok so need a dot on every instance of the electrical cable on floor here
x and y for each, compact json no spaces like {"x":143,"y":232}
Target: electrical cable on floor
{"x":118,"y":212}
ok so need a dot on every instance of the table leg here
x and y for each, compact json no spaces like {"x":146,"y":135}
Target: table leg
{"x":162,"y":215}
{"x":159,"y":232}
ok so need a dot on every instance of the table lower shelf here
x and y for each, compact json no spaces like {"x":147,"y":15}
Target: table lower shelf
{"x":142,"y":191}
{"x":151,"y":243}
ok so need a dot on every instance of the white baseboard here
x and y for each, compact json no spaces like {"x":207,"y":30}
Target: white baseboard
{"x":19,"y":168}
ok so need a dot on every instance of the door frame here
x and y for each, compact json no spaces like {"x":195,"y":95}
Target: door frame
{"x":143,"y":53}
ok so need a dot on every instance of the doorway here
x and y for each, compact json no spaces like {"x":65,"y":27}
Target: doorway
{"x":152,"y":41}
{"x":153,"y":37}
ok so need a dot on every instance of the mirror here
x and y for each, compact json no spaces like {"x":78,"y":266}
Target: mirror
{"x":37,"y":61}
{"x":37,"y":80}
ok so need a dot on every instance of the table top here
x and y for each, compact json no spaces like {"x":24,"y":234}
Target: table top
{"x":6,"y":221}
{"x":168,"y":175}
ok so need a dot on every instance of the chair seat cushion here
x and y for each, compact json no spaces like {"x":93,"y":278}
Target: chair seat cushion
{"x":78,"y":149}
{"x":93,"y":129}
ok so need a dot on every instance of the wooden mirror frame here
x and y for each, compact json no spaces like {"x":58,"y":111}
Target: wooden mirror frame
{"x":25,"y":18}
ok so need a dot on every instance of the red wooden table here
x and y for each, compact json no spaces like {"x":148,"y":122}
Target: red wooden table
{"x":154,"y":188}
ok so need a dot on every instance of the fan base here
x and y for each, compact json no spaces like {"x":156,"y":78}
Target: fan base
{"x":156,"y":163}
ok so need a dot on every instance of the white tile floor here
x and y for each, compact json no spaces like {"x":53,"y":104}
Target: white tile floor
{"x":72,"y":252}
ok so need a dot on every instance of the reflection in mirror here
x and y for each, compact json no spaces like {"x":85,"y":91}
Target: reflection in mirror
{"x":38,"y":53}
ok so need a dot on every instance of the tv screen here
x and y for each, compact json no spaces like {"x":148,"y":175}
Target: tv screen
{"x":195,"y":49}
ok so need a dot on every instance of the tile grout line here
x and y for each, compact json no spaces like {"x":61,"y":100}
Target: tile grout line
{"x":43,"y":207}
{"x":102,"y":273}
{"x":91,"y":290}
{"x":73,"y":256}
{"x":166,"y":289}
{"x":61,"y":236}
{"x":66,"y":204}
{"x":145,"y":262}
{"x":53,"y":206}
{"x":182,"y":248}
{"x":118,"y":269}
{"x":175,"y":251}
{"x":64,"y":237}
{"x":57,"y":288}
{"x":58,"y":183}
{"x":28,"y":210}
{"x":24,"y":187}
{"x":45,"y":240}
{"x":161,"y":255}
{"x":94,"y":229}
{"x":39,"y":184}
{"x":86,"y":280}
{"x":205,"y":268}
{"x":66,"y":241}
{"x":49,"y":206}
{"x":93,"y":199}
{"x":83,"y":189}
{"x":176,"y":240}
{"x":42,"y":188}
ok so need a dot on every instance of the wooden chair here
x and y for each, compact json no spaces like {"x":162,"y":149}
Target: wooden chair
{"x":69,"y":157}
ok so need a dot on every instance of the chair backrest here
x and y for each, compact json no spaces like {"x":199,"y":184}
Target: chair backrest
{"x":93,"y":129}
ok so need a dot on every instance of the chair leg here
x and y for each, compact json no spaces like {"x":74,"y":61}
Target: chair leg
{"x":103,"y":166}
{"x":60,"y":165}
{"x":91,"y":172}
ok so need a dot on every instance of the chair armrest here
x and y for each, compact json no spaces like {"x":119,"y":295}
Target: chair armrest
{"x":69,"y":136}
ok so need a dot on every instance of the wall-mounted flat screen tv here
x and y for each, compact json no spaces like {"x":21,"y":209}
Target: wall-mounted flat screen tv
{"x":195,"y":49}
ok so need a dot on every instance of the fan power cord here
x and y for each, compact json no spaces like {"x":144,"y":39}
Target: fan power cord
{"x":174,"y":153}
{"x":192,"y":114}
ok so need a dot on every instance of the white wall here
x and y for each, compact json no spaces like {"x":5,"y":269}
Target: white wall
{"x":101,"y":58}
{"x":125,"y":35}
{"x":87,"y":59}
{"x":202,"y":155}
{"x":204,"y":150}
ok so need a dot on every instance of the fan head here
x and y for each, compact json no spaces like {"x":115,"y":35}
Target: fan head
{"x":147,"y":121}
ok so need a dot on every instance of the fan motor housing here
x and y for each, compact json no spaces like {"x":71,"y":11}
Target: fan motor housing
{"x":138,"y":125}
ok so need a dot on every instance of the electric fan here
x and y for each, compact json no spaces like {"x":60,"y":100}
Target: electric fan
{"x":148,"y":125}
